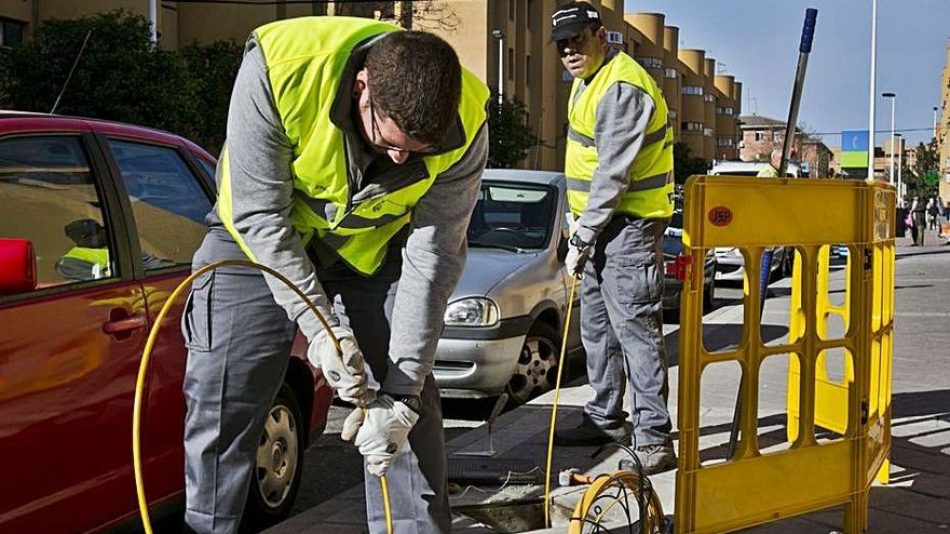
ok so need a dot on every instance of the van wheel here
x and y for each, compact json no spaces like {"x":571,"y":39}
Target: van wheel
{"x":536,"y":370}
{"x":279,"y":462}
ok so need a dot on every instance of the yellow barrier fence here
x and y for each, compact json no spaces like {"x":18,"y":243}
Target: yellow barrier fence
{"x":813,"y":471}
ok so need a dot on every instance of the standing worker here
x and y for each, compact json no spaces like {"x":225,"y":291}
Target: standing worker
{"x":352,"y":164}
{"x":619,"y":167}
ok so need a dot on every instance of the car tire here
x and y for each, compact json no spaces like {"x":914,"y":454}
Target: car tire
{"x":709,"y":296}
{"x":788,"y":265}
{"x":279,"y":464}
{"x":536,"y":369}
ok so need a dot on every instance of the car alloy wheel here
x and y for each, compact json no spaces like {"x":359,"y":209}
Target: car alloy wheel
{"x":279,"y":460}
{"x":536,"y":369}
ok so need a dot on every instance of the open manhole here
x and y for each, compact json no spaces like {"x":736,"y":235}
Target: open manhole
{"x":474,"y":470}
{"x":508,"y":517}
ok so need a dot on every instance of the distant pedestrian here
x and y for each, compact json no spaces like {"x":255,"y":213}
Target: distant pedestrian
{"x":918,"y":212}
{"x":933,"y":219}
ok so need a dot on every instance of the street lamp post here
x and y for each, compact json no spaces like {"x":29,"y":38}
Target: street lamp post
{"x":893,"y":99}
{"x":498,"y":34}
{"x":873,"y":91}
{"x":900,"y":166}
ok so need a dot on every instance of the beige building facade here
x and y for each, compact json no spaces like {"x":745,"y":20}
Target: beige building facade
{"x":942,"y":131}
{"x":488,"y":34}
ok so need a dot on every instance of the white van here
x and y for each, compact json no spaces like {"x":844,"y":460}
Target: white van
{"x":748,"y":168}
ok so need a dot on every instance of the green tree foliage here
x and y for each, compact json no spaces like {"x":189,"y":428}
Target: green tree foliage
{"x":923,"y":177}
{"x":214,"y":67}
{"x":121,"y":76}
{"x":509,"y":135}
{"x":685,"y":165}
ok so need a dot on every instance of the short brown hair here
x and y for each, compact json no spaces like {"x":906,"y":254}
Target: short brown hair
{"x":416,"y":80}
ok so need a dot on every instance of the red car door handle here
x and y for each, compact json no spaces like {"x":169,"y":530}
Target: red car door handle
{"x":133,"y":322}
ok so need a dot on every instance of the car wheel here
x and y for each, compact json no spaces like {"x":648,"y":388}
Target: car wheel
{"x":788,"y":266}
{"x":279,"y":461}
{"x":536,"y":369}
{"x":709,"y":295}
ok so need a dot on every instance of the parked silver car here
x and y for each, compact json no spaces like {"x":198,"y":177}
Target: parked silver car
{"x":730,"y":264}
{"x":504,"y":322}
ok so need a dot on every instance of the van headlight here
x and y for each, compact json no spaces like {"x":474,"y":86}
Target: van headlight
{"x":473,"y":311}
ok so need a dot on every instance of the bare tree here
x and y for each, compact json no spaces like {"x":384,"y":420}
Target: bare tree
{"x":417,"y":14}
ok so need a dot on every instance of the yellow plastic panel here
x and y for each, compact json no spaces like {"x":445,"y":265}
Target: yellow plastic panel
{"x":811,"y":215}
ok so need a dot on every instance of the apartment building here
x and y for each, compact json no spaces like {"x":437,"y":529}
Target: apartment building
{"x":761,"y":135}
{"x":942,"y":131}
{"x":504,"y":42}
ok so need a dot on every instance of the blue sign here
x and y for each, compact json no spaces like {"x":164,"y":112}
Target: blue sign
{"x":854,"y":141}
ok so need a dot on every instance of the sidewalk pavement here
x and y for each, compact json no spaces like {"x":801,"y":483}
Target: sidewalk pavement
{"x":916,"y":500}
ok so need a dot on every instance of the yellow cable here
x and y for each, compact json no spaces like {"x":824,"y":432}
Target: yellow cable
{"x":603,"y":483}
{"x":143,"y":372}
{"x":387,"y":510}
{"x":557,"y":394}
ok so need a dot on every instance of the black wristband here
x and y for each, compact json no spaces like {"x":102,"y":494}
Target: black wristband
{"x":579,"y":243}
{"x":414,"y":402}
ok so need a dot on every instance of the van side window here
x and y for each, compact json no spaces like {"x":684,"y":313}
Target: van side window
{"x":49,"y":197}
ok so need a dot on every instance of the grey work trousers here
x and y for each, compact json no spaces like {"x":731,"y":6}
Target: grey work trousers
{"x":239,"y":343}
{"x":622,"y":328}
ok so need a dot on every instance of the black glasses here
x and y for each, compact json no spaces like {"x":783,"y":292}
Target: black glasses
{"x":385,"y":145}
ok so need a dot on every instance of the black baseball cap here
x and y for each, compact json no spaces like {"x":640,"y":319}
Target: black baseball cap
{"x":571,"y":19}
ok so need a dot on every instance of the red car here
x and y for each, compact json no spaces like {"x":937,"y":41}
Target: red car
{"x":98,"y":224}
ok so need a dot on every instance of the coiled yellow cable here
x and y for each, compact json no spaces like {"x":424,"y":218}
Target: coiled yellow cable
{"x":143,"y":373}
{"x":631,"y":481}
{"x":557,"y":394}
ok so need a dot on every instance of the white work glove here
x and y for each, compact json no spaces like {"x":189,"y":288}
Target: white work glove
{"x":347,"y":373}
{"x":383,"y":433}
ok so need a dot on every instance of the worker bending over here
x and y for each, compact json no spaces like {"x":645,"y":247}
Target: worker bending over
{"x":353,"y":159}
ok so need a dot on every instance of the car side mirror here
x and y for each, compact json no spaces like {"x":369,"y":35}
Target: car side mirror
{"x":17,"y":267}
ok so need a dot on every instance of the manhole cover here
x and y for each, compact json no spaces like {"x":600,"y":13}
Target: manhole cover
{"x":494,"y":470}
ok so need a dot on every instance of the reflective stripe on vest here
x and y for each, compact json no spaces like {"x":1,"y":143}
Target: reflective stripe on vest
{"x":650,"y":187}
{"x":305,"y":59}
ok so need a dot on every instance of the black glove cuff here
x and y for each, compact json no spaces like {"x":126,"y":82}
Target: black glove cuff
{"x":413,"y":402}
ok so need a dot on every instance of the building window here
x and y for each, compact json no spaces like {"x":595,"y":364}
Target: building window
{"x":650,"y":62}
{"x":511,"y":63}
{"x":672,"y":73}
{"x":11,"y":32}
{"x":759,"y":137}
{"x":726,"y":141}
{"x":725,"y":111}
{"x":511,"y":9}
{"x":692,"y":126}
{"x":708,"y":132}
{"x":776,"y":136}
{"x":709,"y":98}
{"x":527,"y":70}
{"x":692,"y":90}
{"x":672,"y":113}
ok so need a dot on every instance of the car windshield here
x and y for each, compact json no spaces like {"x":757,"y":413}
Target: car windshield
{"x":512,"y":216}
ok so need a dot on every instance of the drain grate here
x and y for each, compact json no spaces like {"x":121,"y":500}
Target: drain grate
{"x":494,"y":471}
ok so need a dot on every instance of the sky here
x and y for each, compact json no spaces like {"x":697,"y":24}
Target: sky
{"x":758,"y":40}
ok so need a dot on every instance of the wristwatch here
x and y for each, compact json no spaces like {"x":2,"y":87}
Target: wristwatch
{"x":414,"y":402}
{"x":579,"y":243}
